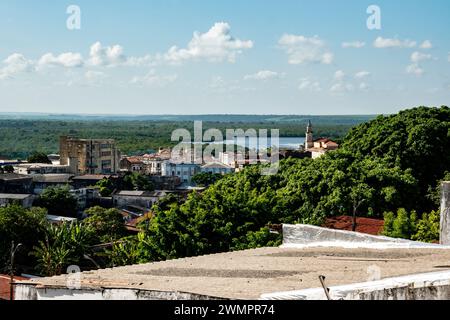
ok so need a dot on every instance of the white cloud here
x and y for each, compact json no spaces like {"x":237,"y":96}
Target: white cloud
{"x":415,"y":69}
{"x":301,"y":49}
{"x":152,"y":79}
{"x":310,"y":85}
{"x":363,"y":86}
{"x":362,"y":74}
{"x":263,"y":75}
{"x":342,"y":83}
{"x":426,"y":45}
{"x":339,"y":75}
{"x":95,"y":78}
{"x":417,"y":57}
{"x":144,"y":61}
{"x":381,"y":42}
{"x":93,"y":75}
{"x":354,"y":44}
{"x":14,"y":64}
{"x":342,"y":87}
{"x":216,"y":45}
{"x":67,"y":60}
{"x":106,"y":56}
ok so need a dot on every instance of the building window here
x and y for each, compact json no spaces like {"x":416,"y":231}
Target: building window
{"x":106,"y":164}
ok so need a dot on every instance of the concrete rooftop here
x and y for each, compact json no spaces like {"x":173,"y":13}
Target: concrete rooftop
{"x":251,"y":273}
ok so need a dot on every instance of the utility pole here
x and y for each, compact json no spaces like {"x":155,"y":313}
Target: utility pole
{"x":11,"y":269}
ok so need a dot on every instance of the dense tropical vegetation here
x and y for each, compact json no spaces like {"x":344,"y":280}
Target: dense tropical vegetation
{"x":19,"y":137}
{"x":389,"y":167}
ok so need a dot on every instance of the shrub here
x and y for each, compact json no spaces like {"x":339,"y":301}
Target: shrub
{"x":428,"y":228}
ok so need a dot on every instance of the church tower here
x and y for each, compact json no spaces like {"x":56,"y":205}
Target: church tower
{"x":309,"y":142}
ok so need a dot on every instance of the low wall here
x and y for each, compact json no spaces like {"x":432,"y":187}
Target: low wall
{"x":427,"y":286}
{"x":34,"y":292}
{"x":299,"y":236}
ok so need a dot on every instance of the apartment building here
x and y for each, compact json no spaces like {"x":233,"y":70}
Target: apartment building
{"x":89,"y":156}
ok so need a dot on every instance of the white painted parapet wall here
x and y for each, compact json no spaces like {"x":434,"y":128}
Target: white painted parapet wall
{"x":427,"y":286}
{"x":303,"y":236}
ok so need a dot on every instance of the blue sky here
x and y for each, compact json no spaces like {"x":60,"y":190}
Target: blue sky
{"x":247,"y":57}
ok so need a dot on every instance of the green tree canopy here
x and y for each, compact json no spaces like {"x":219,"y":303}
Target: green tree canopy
{"x":107,"y":224}
{"x":59,"y":201}
{"x":416,"y":139}
{"x":38,"y":157}
{"x":25,"y":226}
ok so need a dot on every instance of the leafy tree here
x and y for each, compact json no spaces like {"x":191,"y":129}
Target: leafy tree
{"x":25,"y":226}
{"x":206,"y":178}
{"x":136,"y":181}
{"x":434,"y":194}
{"x":107,"y":224}
{"x":64,"y":245}
{"x":258,"y":239}
{"x":7,"y":169}
{"x":415,"y":140}
{"x":106,"y":187}
{"x":130,"y":181}
{"x":38,"y":157}
{"x":59,"y":201}
{"x":128,"y":251}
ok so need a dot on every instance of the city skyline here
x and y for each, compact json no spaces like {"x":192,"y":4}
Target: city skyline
{"x":177,"y":57}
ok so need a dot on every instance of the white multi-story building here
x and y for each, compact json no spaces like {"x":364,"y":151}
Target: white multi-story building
{"x":185,"y":171}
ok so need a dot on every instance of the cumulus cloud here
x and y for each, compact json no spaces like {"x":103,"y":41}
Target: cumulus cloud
{"x":263,"y":75}
{"x":15,"y":64}
{"x":339,"y":75}
{"x":417,"y":57}
{"x":67,"y":60}
{"x":415,"y":67}
{"x":309,"y":85}
{"x":342,"y":87}
{"x":106,"y":56}
{"x":152,"y":79}
{"x":343,"y":83}
{"x":216,"y":45}
{"x":362,"y":74}
{"x":426,"y":45}
{"x":381,"y":43}
{"x":144,"y":61}
{"x":354,"y":44}
{"x":301,"y":49}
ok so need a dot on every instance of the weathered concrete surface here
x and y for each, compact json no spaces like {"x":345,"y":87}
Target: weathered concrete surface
{"x":429,"y":286}
{"x":299,"y":236}
{"x":445,"y":214}
{"x":26,"y":292}
{"x":240,"y":275}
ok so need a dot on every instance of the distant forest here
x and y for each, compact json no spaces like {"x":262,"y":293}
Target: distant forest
{"x":22,"y":134}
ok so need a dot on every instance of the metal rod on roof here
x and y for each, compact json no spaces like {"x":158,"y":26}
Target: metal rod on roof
{"x":11,"y":269}
{"x":325,"y":288}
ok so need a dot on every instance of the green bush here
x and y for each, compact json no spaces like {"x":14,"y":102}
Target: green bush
{"x":407,"y":226}
{"x":428,"y":228}
{"x":400,"y":225}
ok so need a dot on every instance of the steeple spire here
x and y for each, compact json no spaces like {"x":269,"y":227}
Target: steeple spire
{"x":309,"y":142}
